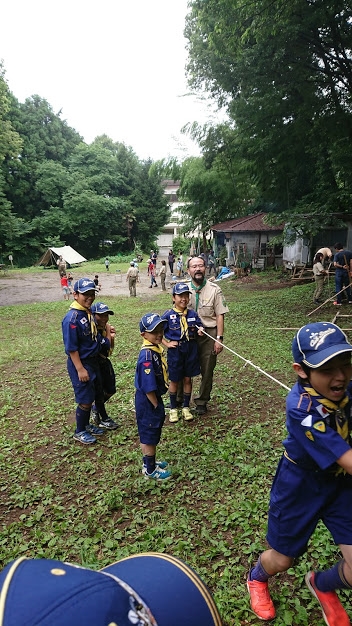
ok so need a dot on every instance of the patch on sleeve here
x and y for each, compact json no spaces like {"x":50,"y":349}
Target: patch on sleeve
{"x":320,"y":426}
{"x":73,"y":326}
{"x":147,"y":371}
{"x":309,"y":435}
{"x":146,"y":364}
{"x":307,"y":421}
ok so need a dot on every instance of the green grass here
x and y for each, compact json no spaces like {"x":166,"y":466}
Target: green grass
{"x":61,"y":500}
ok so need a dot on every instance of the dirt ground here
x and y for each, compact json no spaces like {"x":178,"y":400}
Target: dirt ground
{"x":44,"y":286}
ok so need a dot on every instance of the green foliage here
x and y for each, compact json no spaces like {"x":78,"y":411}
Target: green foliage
{"x":54,"y":186}
{"x":181,"y":244}
{"x":283,"y":71}
{"x":92,"y":506}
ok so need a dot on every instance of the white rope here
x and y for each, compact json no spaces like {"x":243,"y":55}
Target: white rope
{"x":246,"y":360}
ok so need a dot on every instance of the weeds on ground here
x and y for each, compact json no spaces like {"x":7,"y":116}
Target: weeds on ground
{"x":92,"y":505}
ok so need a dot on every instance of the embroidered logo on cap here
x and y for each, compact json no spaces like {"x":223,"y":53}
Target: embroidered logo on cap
{"x":317,"y":339}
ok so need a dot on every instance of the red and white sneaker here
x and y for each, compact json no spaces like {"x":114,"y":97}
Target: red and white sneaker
{"x":333,"y":612}
{"x":261,"y":602}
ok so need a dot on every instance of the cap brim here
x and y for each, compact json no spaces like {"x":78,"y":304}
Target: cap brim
{"x":321,"y":357}
{"x":173,"y":592}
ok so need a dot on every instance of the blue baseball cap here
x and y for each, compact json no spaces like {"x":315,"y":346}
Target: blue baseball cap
{"x":100,"y":307}
{"x":84,"y":284}
{"x":180,"y":288}
{"x":148,"y":589}
{"x":150,"y":321}
{"x":319,"y":342}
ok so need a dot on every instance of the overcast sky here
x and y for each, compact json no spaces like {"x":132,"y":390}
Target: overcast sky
{"x":114,"y":66}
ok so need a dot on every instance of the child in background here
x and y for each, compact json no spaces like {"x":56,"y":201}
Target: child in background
{"x":99,"y":415}
{"x":65,"y":287}
{"x":152,"y":273}
{"x":179,"y":267}
{"x":107,"y":264}
{"x":182,"y":351}
{"x":319,"y":276}
{"x":151,"y":383}
{"x":96,"y":282}
{"x":69,"y":282}
{"x":83,"y":344}
{"x":162,"y":274}
{"x":313,"y":479}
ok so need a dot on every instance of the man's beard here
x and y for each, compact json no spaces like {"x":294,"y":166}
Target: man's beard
{"x":198,"y":278}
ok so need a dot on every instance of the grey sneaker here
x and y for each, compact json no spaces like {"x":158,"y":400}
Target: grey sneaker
{"x":109,"y":424}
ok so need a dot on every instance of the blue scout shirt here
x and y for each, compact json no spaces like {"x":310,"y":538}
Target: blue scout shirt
{"x":173,"y":330}
{"x":313,"y":441}
{"x":77,"y":335}
{"x":149,"y":372}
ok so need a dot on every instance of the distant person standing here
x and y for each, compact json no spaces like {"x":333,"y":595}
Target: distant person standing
{"x":319,"y":277}
{"x":153,"y":256}
{"x":171,"y":261}
{"x":162,"y":274}
{"x":96,"y":282}
{"x":211,"y":263}
{"x":61,"y":265}
{"x":343,"y":267}
{"x":152,"y":274}
{"x":65,"y":287}
{"x":131,"y":278}
{"x":107,"y":264}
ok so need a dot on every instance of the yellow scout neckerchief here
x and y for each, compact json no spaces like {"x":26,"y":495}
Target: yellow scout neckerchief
{"x":93,"y":326}
{"x":183,"y":321}
{"x":340,"y":418}
{"x":159,"y":350}
{"x":197,"y":289}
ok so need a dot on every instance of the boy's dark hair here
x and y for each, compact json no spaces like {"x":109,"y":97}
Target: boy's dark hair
{"x":338,"y":246}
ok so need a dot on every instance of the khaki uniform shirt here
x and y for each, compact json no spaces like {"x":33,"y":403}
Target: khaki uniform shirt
{"x":211,"y":303}
{"x":132,"y":272}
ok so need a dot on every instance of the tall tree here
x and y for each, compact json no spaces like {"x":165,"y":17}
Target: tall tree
{"x":284,"y":72}
{"x":45,"y":136}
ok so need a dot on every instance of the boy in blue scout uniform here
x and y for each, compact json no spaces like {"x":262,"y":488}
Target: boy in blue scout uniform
{"x":100,"y":417}
{"x":182,"y":354}
{"x":83,"y":344}
{"x":151,"y":383}
{"x":313,"y":480}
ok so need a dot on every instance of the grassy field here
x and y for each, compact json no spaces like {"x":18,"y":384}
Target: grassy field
{"x":91,"y":505}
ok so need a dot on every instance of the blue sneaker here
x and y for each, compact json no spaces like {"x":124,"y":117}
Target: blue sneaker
{"x":94,"y":430}
{"x":84,"y":437}
{"x":160,"y":464}
{"x":158,"y":474}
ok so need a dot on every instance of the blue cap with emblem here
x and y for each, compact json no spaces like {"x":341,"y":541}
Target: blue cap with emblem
{"x":100,"y":307}
{"x":180,"y":288}
{"x":150,"y":321}
{"x":84,"y":284}
{"x":148,"y":589}
{"x":319,"y":342}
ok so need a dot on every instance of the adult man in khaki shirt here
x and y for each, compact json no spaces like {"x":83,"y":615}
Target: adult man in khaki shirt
{"x":207,"y":299}
{"x":131,"y":278}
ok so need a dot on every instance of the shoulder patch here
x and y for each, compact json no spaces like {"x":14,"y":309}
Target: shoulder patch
{"x":309,"y":435}
{"x":307,"y":421}
{"x":320,"y":426}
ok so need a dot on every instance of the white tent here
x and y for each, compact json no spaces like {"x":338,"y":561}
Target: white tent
{"x":68,"y":254}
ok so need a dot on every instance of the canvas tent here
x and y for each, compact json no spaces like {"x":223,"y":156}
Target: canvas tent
{"x":69,"y":254}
